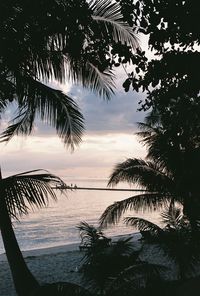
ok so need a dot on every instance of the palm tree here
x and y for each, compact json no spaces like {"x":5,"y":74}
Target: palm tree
{"x":169,"y":174}
{"x":91,"y":236}
{"x":17,"y":193}
{"x":158,"y":188}
{"x":57,"y":40}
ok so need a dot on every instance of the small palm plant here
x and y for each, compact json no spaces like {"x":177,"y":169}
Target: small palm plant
{"x":175,"y":238}
{"x":91,"y":236}
{"x":113,"y":266}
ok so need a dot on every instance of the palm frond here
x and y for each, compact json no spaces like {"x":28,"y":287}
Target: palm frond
{"x":108,"y":15}
{"x":135,"y":277}
{"x":122,"y":172}
{"x":53,"y":107}
{"x":153,"y":118}
{"x":89,"y":234}
{"x":123,"y":246}
{"x":101,"y":82}
{"x":147,"y":174}
{"x":89,"y":75}
{"x":142,"y":224}
{"x":172,"y":216}
{"x":50,"y":65}
{"x":28,"y":189}
{"x":163,"y":146}
{"x":146,"y":201}
{"x":149,"y":133}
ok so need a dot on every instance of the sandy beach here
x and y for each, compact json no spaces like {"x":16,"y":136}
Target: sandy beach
{"x":50,"y":265}
{"x":47,"y":265}
{"x":62,"y":264}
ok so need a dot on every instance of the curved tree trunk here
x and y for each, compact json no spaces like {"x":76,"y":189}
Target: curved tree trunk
{"x":24,"y":281}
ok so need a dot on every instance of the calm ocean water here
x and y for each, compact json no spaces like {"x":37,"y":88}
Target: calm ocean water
{"x":56,"y":224}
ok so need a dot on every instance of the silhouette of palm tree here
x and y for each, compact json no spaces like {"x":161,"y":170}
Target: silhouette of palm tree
{"x":18,"y":193}
{"x":168,"y":174}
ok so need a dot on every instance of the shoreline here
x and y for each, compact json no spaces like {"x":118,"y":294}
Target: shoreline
{"x":46,"y":251}
{"x":66,"y":248}
{"x":62,"y":263}
{"x":48,"y":265}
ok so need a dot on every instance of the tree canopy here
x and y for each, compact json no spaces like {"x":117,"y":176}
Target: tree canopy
{"x":174,"y":37}
{"x":60,"y":40}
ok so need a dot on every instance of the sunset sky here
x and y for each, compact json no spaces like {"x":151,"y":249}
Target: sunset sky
{"x":108,"y":138}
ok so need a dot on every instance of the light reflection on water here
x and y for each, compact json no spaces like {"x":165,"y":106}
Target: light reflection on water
{"x":56,"y":224}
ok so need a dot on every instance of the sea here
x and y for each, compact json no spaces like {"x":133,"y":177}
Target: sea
{"x":56,"y":225}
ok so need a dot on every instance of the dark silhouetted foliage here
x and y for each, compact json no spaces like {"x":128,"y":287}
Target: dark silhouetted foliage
{"x":169,"y":173}
{"x":47,"y":41}
{"x":174,"y":38}
{"x":113,"y":267}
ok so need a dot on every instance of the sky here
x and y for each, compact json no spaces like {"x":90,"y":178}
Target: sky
{"x":109,"y":137}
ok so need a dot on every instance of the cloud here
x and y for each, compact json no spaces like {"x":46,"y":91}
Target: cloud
{"x":95,"y":157}
{"x":109,"y":138}
{"x":117,"y":115}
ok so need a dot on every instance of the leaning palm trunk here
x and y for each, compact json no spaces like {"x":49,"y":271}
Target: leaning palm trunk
{"x":16,"y":193}
{"x":24,"y":281}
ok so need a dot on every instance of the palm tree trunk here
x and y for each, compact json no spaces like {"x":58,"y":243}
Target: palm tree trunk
{"x":24,"y":281}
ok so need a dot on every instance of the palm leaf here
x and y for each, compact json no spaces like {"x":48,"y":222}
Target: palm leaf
{"x":89,"y":234}
{"x":172,"y":216}
{"x":53,"y":107}
{"x":163,"y":147}
{"x":28,"y":189}
{"x":90,"y":76}
{"x":142,"y":224}
{"x":100,"y":82}
{"x":108,"y":15}
{"x":144,"y":173}
{"x":135,"y":277}
{"x":53,"y":65}
{"x":122,"y":247}
{"x":146,"y":201}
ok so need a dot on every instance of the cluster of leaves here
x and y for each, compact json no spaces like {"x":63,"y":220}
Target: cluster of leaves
{"x":173,"y":32}
{"x":172,"y":22}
